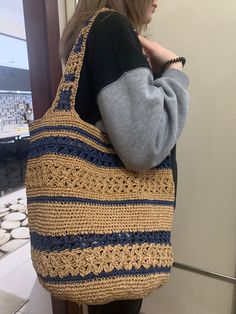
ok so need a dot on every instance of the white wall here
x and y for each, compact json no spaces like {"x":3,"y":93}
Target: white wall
{"x":205,"y":219}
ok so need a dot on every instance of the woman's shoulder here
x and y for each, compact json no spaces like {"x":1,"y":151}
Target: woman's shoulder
{"x":112,"y":21}
{"x":111,"y":17}
{"x":112,"y":28}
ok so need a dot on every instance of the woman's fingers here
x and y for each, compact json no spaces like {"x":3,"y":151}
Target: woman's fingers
{"x":147,"y":44}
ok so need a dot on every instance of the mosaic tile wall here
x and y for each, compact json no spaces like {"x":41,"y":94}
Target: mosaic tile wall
{"x":12,"y":107}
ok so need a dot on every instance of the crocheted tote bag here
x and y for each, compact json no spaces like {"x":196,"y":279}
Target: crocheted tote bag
{"x":99,"y":232}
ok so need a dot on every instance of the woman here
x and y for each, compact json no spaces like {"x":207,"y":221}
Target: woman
{"x":28,"y":113}
{"x":140,"y":103}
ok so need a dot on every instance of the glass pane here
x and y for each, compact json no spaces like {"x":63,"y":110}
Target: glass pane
{"x":16,"y":111}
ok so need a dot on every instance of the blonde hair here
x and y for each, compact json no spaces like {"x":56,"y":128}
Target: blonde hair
{"x":132,"y":9}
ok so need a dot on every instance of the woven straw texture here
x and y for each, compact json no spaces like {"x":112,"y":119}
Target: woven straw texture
{"x":98,"y":231}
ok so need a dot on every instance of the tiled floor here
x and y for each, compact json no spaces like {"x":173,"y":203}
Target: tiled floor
{"x":14,"y":231}
{"x":18,"y":277}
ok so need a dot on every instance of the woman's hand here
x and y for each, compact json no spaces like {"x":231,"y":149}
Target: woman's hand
{"x":158,"y":55}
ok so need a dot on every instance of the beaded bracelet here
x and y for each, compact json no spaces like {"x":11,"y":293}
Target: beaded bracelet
{"x":176,"y":60}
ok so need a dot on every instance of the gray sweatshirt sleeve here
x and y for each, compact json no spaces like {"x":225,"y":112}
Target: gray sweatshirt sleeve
{"x":144,"y":117}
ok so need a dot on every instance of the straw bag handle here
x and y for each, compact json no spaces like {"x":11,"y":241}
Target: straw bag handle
{"x":66,"y":92}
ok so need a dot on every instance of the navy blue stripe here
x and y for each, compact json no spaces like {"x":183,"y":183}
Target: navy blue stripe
{"x":83,"y":241}
{"x":71,"y":129}
{"x":66,"y":146}
{"x":70,"y":199}
{"x":115,"y":273}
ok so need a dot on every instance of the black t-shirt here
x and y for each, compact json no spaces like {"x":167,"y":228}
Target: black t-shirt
{"x":106,"y":61}
{"x":99,"y":68}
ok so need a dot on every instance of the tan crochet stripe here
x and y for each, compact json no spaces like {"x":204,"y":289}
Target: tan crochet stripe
{"x":69,"y":119}
{"x":82,"y":262}
{"x":106,"y":290}
{"x":60,"y":219}
{"x":75,"y":136}
{"x":68,"y":176}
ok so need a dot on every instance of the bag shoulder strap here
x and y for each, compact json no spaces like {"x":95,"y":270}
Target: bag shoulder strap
{"x":67,"y":89}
